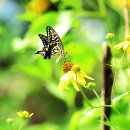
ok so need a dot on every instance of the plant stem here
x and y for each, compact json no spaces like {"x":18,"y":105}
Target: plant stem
{"x":102,"y":7}
{"x":11,"y":127}
{"x":126,"y":18}
{"x":83,"y":95}
{"x":96,"y":95}
{"x":113,"y":53}
{"x":21,"y":125}
{"x":85,"y":98}
{"x":115,"y":74}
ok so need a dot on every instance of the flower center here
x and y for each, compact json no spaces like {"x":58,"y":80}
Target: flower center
{"x":75,"y":68}
{"x":67,"y":66}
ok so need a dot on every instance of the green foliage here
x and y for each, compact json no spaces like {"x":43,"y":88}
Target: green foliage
{"x":29,"y":82}
{"x":117,"y":123}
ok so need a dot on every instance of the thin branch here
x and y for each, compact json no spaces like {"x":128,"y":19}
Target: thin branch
{"x":107,"y":85}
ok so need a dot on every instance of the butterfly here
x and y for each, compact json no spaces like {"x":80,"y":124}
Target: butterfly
{"x":52,"y":45}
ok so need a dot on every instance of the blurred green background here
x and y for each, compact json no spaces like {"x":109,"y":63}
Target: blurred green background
{"x":29,"y":82}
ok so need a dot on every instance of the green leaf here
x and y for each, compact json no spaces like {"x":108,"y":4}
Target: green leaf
{"x":119,"y":97}
{"x":39,"y":25}
{"x":74,"y":122}
{"x":119,"y":123}
{"x":89,"y":116}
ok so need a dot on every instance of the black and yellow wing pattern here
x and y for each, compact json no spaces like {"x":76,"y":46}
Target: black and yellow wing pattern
{"x":52,"y":45}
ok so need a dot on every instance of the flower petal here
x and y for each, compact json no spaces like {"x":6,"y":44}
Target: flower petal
{"x":119,"y":46}
{"x":64,"y":80}
{"x":74,"y":82}
{"x":81,"y":80}
{"x":86,"y":76}
{"x":128,"y":51}
{"x":126,"y":44}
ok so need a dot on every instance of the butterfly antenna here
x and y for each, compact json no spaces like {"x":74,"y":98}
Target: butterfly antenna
{"x":71,"y":48}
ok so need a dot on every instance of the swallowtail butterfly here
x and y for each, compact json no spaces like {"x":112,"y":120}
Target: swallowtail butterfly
{"x":52,"y":45}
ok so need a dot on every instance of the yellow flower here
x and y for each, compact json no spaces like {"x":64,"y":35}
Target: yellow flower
{"x":109,"y":35}
{"x":37,"y":6}
{"x":74,"y":74}
{"x":24,"y":114}
{"x":118,"y":4}
{"x":125,"y":44}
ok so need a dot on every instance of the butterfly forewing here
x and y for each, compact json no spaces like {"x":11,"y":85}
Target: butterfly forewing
{"x":53,"y":36}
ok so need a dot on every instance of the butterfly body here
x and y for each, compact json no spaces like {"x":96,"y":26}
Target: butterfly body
{"x":52,"y":44}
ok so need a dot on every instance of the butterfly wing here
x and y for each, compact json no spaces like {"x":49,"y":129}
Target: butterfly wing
{"x":44,"y":39}
{"x":53,"y":37}
{"x":52,"y":44}
{"x":46,"y":50}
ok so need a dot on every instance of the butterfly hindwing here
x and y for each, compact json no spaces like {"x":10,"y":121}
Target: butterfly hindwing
{"x":44,"y":39}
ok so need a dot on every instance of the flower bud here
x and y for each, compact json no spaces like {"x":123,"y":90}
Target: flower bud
{"x":24,"y":114}
{"x":90,"y":85}
{"x":9,"y":120}
{"x":109,"y":35}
